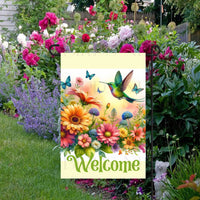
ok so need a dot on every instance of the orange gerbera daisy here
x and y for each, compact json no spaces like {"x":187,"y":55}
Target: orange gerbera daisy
{"x":128,"y":143}
{"x":85,"y":100}
{"x":138,"y":133}
{"x":75,"y":119}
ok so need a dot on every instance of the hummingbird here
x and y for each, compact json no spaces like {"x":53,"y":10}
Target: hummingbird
{"x":118,"y":87}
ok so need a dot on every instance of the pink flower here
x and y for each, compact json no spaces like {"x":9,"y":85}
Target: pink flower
{"x":66,"y":138}
{"x":85,"y":37}
{"x":79,"y":81}
{"x":16,"y":115}
{"x":29,"y":43}
{"x":127,"y":48}
{"x":48,"y":43}
{"x":114,"y":197}
{"x":124,"y":8}
{"x":142,"y":147}
{"x":32,"y":59}
{"x":52,"y":18}
{"x":91,"y":11}
{"x":44,"y":23}
{"x":26,"y":77}
{"x":113,"y":16}
{"x":167,"y":55}
{"x":146,"y":48}
{"x":137,"y":133}
{"x":72,"y":37}
{"x":84,"y":140}
{"x":108,"y":134}
{"x":37,"y":37}
{"x":61,"y":47}
{"x":180,"y":63}
{"x":80,"y":27}
{"x":25,"y":53}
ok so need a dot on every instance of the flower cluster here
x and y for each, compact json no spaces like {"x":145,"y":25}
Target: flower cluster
{"x":88,"y":127}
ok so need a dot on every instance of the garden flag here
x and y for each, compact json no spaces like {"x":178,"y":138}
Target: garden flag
{"x":103,"y":115}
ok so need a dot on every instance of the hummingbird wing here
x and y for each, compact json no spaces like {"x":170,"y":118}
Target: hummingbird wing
{"x":118,"y":78}
{"x":127,"y":80}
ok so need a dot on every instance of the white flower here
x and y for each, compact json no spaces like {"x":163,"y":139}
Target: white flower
{"x":21,"y":38}
{"x":71,"y":30}
{"x":45,"y":33}
{"x":96,"y":144}
{"x":20,"y":27}
{"x":90,"y":46}
{"x":64,"y":25}
{"x":5,"y":44}
{"x":92,"y":35}
{"x":125,"y":32}
{"x":113,"y":42}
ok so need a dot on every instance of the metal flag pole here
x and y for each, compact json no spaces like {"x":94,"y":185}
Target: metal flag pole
{"x":153,"y":53}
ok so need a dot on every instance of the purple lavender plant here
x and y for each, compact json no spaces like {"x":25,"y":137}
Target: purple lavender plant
{"x":39,"y":108}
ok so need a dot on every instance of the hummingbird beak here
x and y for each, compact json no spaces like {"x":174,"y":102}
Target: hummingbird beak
{"x":102,"y":82}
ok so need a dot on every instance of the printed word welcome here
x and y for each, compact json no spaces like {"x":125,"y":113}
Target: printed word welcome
{"x":106,"y":165}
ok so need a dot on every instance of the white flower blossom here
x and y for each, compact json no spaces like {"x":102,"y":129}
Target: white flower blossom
{"x":125,"y":32}
{"x":113,"y":42}
{"x":96,"y":144}
{"x":5,"y":44}
{"x":45,"y":33}
{"x":92,"y":35}
{"x":21,"y":38}
{"x":64,"y":25}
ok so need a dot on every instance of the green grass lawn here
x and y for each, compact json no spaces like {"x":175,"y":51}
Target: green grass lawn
{"x":29,"y":168}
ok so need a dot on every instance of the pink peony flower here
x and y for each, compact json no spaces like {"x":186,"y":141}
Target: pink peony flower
{"x":91,"y":11}
{"x":146,"y":48}
{"x":48,"y":43}
{"x":84,"y":140}
{"x":127,"y":48}
{"x":79,"y":81}
{"x":37,"y":37}
{"x":52,"y":18}
{"x":29,"y":43}
{"x":32,"y":59}
{"x":25,"y":53}
{"x":108,"y":134}
{"x":61,"y":47}
{"x":44,"y":23}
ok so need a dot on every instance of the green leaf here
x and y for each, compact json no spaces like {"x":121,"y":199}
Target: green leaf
{"x":101,"y":153}
{"x":172,"y":159}
{"x":79,"y":151}
{"x":197,"y":69}
{"x":158,"y":119}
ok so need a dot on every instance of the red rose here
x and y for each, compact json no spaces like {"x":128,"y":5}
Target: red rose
{"x":127,"y":48}
{"x":113,"y":16}
{"x":85,"y":37}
